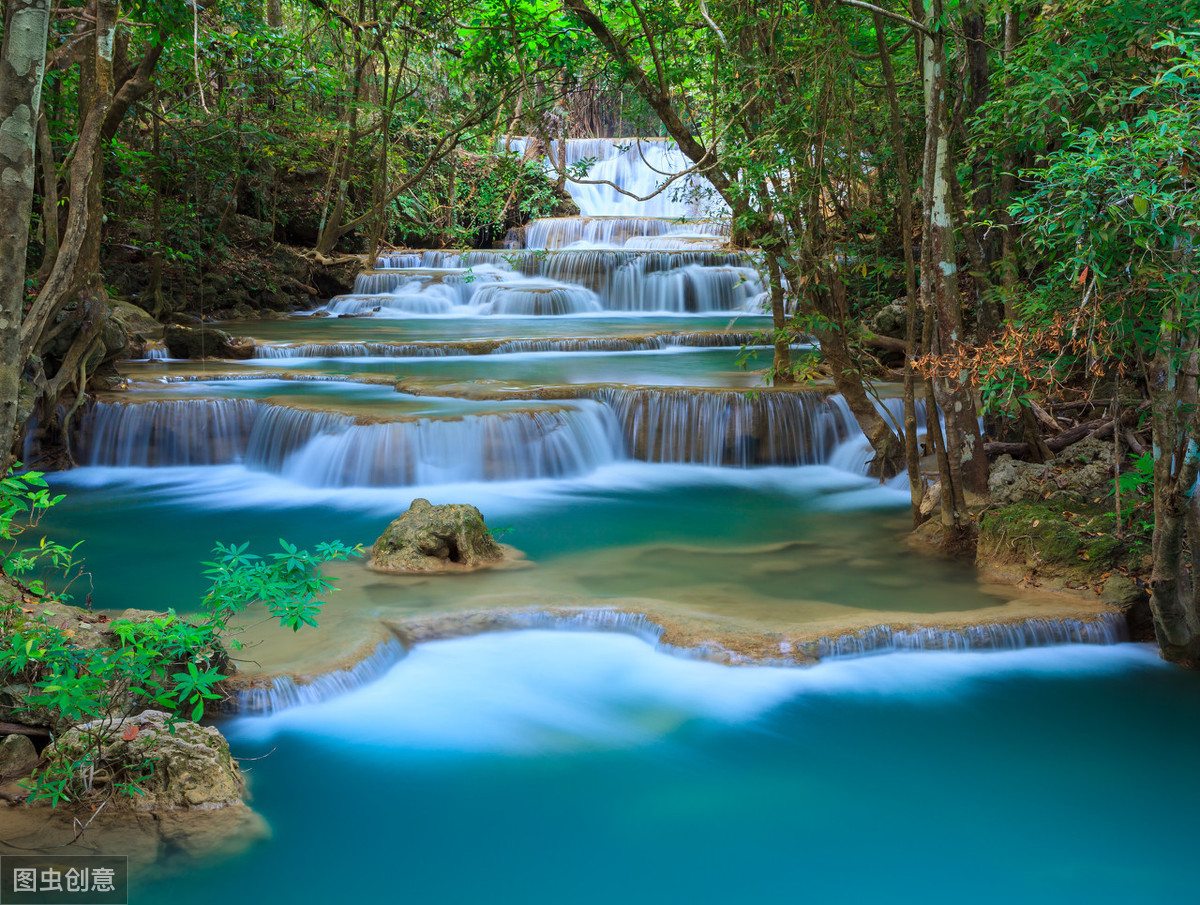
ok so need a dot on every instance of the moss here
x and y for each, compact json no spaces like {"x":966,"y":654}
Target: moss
{"x":1052,"y":541}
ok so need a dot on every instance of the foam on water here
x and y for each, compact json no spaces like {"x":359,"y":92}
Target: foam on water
{"x":538,"y":691}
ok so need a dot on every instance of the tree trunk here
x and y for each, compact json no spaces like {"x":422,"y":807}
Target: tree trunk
{"x":781,"y":366}
{"x":1175,"y":591}
{"x":912,"y":454}
{"x":22,"y":62}
{"x":939,"y":292}
{"x":275,"y":13}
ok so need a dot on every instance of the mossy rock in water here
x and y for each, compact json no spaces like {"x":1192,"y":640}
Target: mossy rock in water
{"x":174,"y":763}
{"x":430,"y":538}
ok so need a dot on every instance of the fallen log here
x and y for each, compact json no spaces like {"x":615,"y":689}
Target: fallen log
{"x":887,"y":343}
{"x":21,"y":729}
{"x":1098,"y":428}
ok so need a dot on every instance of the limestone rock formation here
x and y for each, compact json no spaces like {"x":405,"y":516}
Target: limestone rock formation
{"x":430,"y":538}
{"x":204,"y":342}
{"x":1079,"y":470}
{"x":184,"y":765}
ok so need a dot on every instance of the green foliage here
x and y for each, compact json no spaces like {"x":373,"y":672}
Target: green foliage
{"x":1141,"y":479}
{"x":169,"y":662}
{"x":24,"y":499}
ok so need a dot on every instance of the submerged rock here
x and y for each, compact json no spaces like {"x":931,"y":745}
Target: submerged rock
{"x":430,"y":538}
{"x":175,"y":763}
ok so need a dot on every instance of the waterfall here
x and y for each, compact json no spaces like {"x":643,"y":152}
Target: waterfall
{"x":614,"y":232}
{"x":551,"y":443}
{"x":325,"y":449}
{"x":1107,"y":628}
{"x":284,"y":691}
{"x":187,"y":432}
{"x":638,"y":166}
{"x":646,"y":342}
{"x":708,"y":427}
{"x":535,"y":297}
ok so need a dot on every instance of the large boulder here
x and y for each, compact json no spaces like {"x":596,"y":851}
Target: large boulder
{"x":430,"y":538}
{"x":175,"y":763}
{"x":205,"y":342}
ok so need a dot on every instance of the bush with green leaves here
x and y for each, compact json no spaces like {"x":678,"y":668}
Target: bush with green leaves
{"x":165,"y":662}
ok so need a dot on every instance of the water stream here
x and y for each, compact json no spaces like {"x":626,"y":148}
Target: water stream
{"x":586,"y":389}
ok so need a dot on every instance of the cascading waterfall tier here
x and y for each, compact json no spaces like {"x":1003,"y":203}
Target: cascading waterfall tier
{"x":607,"y":424}
{"x":283,"y":692}
{"x":709,"y":427}
{"x":327,"y":449}
{"x":623,"y":171}
{"x":574,"y":281}
{"x":616,"y":232}
{"x":637,"y":343}
{"x":1107,"y":628}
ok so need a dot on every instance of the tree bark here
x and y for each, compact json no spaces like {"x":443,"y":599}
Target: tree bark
{"x":912,"y":454}
{"x":22,"y":63}
{"x":781,"y":366}
{"x":1175,"y":591}
{"x":940,"y":292}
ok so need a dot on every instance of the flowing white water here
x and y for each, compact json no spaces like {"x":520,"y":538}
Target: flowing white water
{"x":623,"y":171}
{"x":543,"y":691}
{"x":328,"y":449}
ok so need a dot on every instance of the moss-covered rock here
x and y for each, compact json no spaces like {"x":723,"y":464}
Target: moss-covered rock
{"x":430,"y":538}
{"x":1048,"y":540}
{"x":1076,"y":549}
{"x":174,"y":764}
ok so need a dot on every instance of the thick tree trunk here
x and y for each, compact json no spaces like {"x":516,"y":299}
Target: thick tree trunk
{"x":275,"y":13}
{"x":22,"y":62}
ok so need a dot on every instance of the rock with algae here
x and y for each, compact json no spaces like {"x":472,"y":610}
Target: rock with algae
{"x":430,"y":538}
{"x":177,"y":764}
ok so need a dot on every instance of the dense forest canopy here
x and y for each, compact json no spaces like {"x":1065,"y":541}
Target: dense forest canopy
{"x":1016,"y":181}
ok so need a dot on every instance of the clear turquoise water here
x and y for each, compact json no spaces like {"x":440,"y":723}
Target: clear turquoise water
{"x":575,"y":768}
{"x":413,"y":329}
{"x":564,"y":768}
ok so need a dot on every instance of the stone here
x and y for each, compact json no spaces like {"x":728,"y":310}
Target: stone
{"x":205,"y":342}
{"x":191,"y":766}
{"x":931,"y":499}
{"x":1081,"y":471}
{"x":136,"y":321}
{"x":1134,"y":601}
{"x":430,"y":538}
{"x":18,"y":757}
{"x":891,"y":320}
